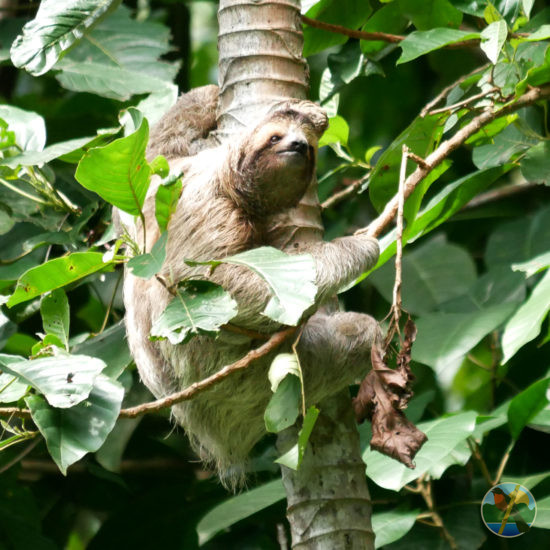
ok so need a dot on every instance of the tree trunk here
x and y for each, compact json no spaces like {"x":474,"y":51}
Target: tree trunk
{"x":260,"y":64}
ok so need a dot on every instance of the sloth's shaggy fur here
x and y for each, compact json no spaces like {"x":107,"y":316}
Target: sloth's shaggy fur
{"x":232,"y":197}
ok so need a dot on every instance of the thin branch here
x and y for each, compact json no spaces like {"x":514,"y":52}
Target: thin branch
{"x":500,"y":193}
{"x":503,"y":463}
{"x":476,"y":453}
{"x":376,"y":227}
{"x":361,"y":35}
{"x":464,"y":102}
{"x":351,"y":189}
{"x":194,"y":389}
{"x":447,"y":90}
{"x":198,"y":387}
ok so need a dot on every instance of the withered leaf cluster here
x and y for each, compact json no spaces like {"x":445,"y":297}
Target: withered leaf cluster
{"x":383,"y":395}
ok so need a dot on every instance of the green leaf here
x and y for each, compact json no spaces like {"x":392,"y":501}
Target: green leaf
{"x":293,"y":458}
{"x":388,"y":19}
{"x":56,"y":273}
{"x":445,"y":337}
{"x":526,"y":322}
{"x":200,"y":307}
{"x":420,"y":136}
{"x":526,"y":405}
{"x":54,"y":309}
{"x":535,"y":165}
{"x":29,"y":128}
{"x":445,"y":435}
{"x":529,"y":481}
{"x":538,"y":263}
{"x":354,"y":14}
{"x":11,"y":387}
{"x":149,"y":264}
{"x":111,"y":347}
{"x":519,"y":240}
{"x":435,"y":13}
{"x":433,"y":273}
{"x":65,"y":380}
{"x":391,"y":526}
{"x":284,"y":406}
{"x":493,"y":38}
{"x":166,"y":202}
{"x":506,"y":144}
{"x":121,"y":58}
{"x":119,"y":172}
{"x":422,"y":42}
{"x":239,"y":507}
{"x":71,"y":433}
{"x":290,"y":277}
{"x":283,"y":364}
{"x":337,"y":132}
{"x":55,"y":28}
{"x":62,"y":149}
{"x":542,"y":33}
{"x":543,"y":514}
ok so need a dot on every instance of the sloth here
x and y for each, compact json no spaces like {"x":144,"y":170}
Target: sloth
{"x":233,"y":196}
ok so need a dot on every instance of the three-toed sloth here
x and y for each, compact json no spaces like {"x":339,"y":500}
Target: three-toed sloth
{"x":233,"y":197}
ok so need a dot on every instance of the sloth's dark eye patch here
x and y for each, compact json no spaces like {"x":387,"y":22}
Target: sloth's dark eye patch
{"x":275,"y":138}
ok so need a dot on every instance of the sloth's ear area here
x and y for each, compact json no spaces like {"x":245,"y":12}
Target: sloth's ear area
{"x":304,"y":112}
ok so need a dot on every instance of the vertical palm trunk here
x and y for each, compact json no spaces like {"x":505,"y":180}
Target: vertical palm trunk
{"x":261,"y":63}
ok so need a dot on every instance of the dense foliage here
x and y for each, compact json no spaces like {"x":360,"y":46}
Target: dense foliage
{"x":80,"y":84}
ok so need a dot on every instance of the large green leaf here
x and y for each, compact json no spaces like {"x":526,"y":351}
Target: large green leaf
{"x":445,"y":337}
{"x":71,"y":433}
{"x":54,"y":309}
{"x":445,"y":435}
{"x":535,"y":165}
{"x":55,"y":28}
{"x":119,"y":172}
{"x":149,"y":264}
{"x":493,"y":38}
{"x":290,"y":277}
{"x":56,"y":273}
{"x":519,"y":240}
{"x":433,"y":273}
{"x":120,"y":59}
{"x":526,"y":405}
{"x":111,"y":347}
{"x":200,"y":307}
{"x":420,"y":136}
{"x":239,"y":507}
{"x":284,"y":406}
{"x":29,"y":128}
{"x":526,"y":322}
{"x":391,"y":526}
{"x":543,"y":514}
{"x":435,"y":13}
{"x":422,"y":42}
{"x":11,"y":387}
{"x":65,"y":380}
{"x":505,"y":145}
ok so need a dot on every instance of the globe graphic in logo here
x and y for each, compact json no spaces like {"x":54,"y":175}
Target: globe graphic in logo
{"x":508,"y":510}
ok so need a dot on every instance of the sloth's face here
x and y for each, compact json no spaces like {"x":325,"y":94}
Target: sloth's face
{"x":278,"y":164}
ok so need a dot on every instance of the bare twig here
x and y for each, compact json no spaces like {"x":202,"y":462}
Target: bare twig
{"x":198,"y":387}
{"x":376,"y":36}
{"x":503,"y":463}
{"x":397,"y":302}
{"x":376,"y":227}
{"x":478,"y":457}
{"x":194,"y":389}
{"x":445,"y":92}
{"x":500,"y":193}
{"x":425,"y":489}
{"x":361,"y":35}
{"x":351,"y":189}
{"x":464,"y":102}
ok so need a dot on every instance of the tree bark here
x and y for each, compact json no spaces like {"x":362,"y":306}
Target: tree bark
{"x":260,"y":64}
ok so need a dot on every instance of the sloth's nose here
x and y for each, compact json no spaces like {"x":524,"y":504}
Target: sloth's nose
{"x":300,"y":146}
